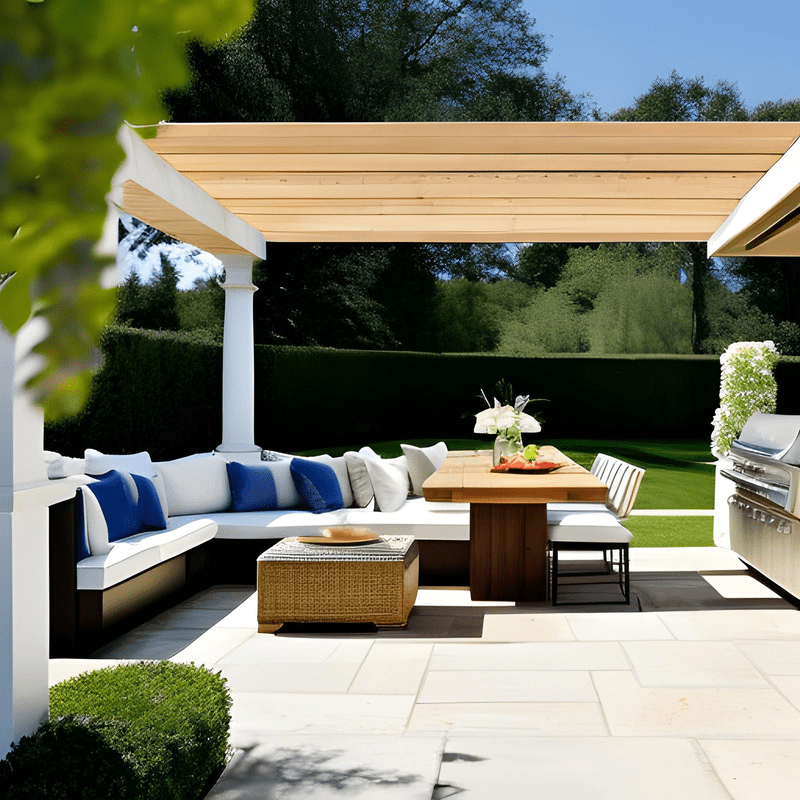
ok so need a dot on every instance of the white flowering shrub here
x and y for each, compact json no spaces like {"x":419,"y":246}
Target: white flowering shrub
{"x":747,"y":386}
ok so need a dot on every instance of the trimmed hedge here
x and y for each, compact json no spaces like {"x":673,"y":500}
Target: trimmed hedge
{"x":147,"y":731}
{"x":162,"y":392}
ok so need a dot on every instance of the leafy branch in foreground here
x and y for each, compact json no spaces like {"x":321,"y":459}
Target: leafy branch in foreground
{"x":71,"y":72}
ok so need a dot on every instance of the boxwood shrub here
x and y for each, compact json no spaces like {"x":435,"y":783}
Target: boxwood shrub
{"x":145,"y":731}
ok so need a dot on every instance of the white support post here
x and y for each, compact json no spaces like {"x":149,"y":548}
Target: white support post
{"x":25,"y":494}
{"x":238,"y":359}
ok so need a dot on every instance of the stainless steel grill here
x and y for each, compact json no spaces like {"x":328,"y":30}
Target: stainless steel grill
{"x":765,"y":510}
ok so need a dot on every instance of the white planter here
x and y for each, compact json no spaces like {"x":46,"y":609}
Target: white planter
{"x":723,"y":489}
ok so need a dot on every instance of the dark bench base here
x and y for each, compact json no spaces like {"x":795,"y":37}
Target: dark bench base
{"x":441,"y":563}
{"x":81,"y":621}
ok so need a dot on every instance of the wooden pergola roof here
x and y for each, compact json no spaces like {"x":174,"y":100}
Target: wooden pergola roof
{"x":467,"y":182}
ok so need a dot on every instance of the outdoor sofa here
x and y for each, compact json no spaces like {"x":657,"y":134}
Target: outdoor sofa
{"x":139,"y":532}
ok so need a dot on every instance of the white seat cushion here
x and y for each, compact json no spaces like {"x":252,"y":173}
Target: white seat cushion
{"x":554,"y":509}
{"x":416,"y":517}
{"x":587,"y":527}
{"x":135,"y":554}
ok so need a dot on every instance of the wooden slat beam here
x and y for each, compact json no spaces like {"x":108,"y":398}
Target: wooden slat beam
{"x":231,"y":163}
{"x":510,"y":185}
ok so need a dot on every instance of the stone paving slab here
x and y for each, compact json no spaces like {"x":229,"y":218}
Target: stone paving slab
{"x":570,"y":768}
{"x":333,"y":767}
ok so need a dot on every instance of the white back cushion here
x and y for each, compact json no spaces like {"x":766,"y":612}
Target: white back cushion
{"x":95,"y":522}
{"x":195,"y":485}
{"x":98,"y":463}
{"x":359,"y":479}
{"x":285,"y":490}
{"x":389,"y":478}
{"x":423,"y":462}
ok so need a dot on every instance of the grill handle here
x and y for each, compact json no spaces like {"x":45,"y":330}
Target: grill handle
{"x":778,"y":494}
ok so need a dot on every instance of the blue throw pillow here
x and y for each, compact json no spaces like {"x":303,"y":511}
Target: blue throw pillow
{"x":151,"y":514}
{"x":317,"y":484}
{"x":117,"y":504}
{"x":81,"y":534}
{"x":252,"y":487}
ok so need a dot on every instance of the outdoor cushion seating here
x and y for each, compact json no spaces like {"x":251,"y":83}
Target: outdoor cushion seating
{"x":127,"y":560}
{"x":597,"y":526}
{"x":205,"y":496}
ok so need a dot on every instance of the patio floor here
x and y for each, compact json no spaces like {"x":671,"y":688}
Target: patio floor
{"x":696,"y":696}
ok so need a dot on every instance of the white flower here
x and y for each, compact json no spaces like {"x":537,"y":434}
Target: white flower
{"x":505,"y":421}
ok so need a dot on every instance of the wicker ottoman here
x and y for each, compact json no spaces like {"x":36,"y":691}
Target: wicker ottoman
{"x":375,"y":582}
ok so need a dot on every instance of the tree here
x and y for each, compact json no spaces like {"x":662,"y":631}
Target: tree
{"x":646,"y":313}
{"x":777,"y":111}
{"x":689,"y":100}
{"x":551,"y":323}
{"x":388,"y":60}
{"x":321,"y":295}
{"x":70,"y":72}
{"x":681,"y":99}
{"x":468,"y":321}
{"x":541,"y":264}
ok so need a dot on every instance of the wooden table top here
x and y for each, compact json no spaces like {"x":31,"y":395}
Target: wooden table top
{"x":467,"y":478}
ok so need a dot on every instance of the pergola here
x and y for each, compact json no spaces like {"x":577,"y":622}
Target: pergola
{"x":476,"y":182}
{"x":232,"y":188}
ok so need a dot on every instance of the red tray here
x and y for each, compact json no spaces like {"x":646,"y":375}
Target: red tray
{"x":535,"y":469}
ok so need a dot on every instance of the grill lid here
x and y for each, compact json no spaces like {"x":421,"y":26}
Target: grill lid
{"x":772,"y":435}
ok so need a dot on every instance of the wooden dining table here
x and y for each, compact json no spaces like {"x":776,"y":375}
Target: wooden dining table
{"x":508,"y":518}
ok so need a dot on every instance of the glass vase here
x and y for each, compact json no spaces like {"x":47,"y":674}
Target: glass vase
{"x":503,"y":448}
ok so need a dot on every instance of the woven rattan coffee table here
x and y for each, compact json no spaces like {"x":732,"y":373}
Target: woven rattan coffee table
{"x":375,"y":582}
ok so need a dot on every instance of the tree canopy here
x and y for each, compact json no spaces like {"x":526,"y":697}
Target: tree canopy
{"x":386,"y":60}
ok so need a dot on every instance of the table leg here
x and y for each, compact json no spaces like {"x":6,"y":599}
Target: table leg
{"x":508,"y":551}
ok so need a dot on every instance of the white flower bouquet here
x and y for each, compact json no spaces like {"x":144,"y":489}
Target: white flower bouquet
{"x":507,"y":422}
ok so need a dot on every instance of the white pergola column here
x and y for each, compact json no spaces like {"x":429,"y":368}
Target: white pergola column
{"x":25,"y":494}
{"x":238,"y":359}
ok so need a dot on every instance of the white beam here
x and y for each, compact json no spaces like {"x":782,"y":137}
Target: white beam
{"x":774,"y":195}
{"x":152,"y":173}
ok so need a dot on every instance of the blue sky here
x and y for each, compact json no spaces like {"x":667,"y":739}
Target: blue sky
{"x":614,"y":49}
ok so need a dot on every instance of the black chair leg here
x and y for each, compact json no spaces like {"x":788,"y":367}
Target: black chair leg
{"x":613,"y":556}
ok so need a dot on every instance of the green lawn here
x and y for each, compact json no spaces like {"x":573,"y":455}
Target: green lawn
{"x":679,"y":475}
{"x":671,"y":531}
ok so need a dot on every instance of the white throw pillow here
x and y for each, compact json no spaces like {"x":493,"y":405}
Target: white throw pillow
{"x":95,"y":524}
{"x":98,"y":463}
{"x":195,"y":485}
{"x":285,"y":490}
{"x":161,"y":491}
{"x":59,"y":466}
{"x":389,"y":478}
{"x":360,"y":483}
{"x":339,"y":466}
{"x":423,"y":462}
